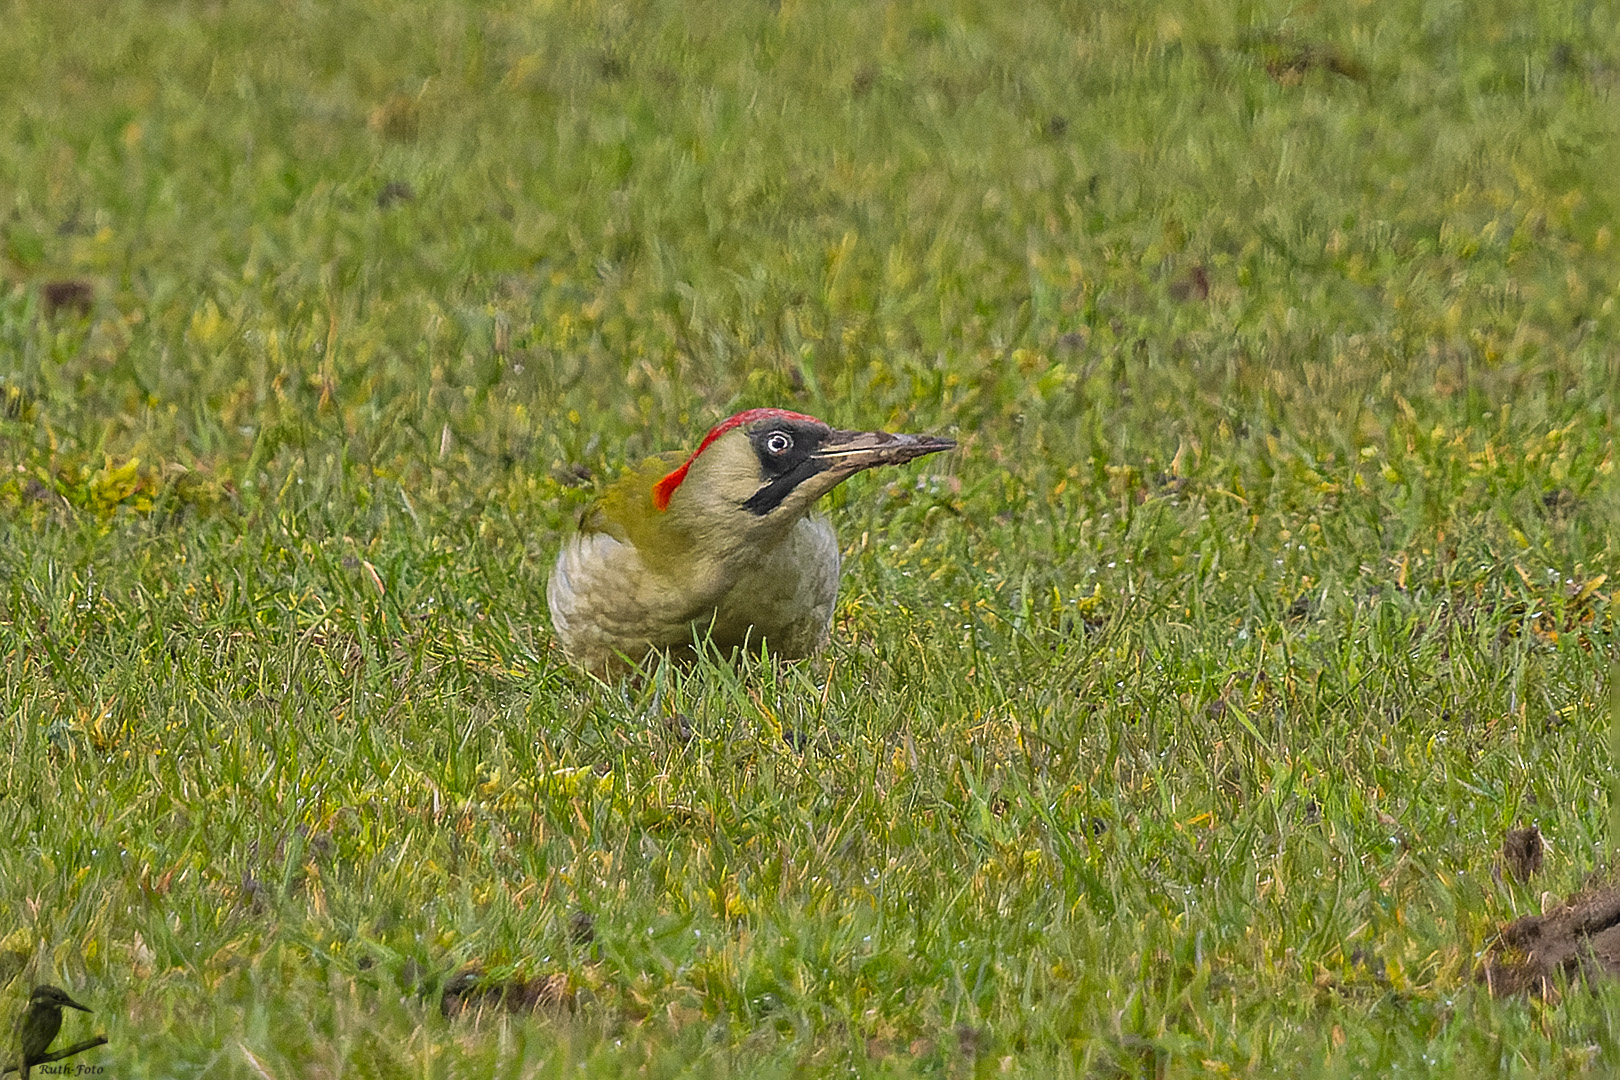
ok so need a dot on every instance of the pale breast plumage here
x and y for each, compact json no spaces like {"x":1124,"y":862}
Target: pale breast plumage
{"x":608,"y":607}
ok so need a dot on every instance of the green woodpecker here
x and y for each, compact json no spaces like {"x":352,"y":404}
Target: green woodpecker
{"x":720,"y":544}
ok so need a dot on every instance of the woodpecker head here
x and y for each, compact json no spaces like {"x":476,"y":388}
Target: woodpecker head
{"x":759,"y":471}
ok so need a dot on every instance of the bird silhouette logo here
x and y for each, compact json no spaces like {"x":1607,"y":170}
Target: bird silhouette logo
{"x":37,"y":1027}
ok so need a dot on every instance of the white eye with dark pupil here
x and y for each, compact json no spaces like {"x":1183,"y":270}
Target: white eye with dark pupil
{"x":778,"y":442}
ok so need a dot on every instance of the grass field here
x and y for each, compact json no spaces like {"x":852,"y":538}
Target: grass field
{"x":1172,"y":726}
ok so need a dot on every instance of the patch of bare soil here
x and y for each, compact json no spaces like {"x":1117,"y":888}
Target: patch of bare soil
{"x":1539,"y":953}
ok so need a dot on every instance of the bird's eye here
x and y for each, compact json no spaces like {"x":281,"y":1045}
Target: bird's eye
{"x":778,"y":442}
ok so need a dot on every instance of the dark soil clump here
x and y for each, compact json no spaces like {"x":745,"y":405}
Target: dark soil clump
{"x":1538,"y":953}
{"x":470,"y":989}
{"x":1522,"y":852}
{"x":72,"y":296}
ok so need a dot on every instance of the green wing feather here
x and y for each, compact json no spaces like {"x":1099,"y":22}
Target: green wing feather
{"x":626,"y":511}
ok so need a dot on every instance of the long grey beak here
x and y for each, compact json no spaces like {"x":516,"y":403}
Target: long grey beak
{"x":851,"y":451}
